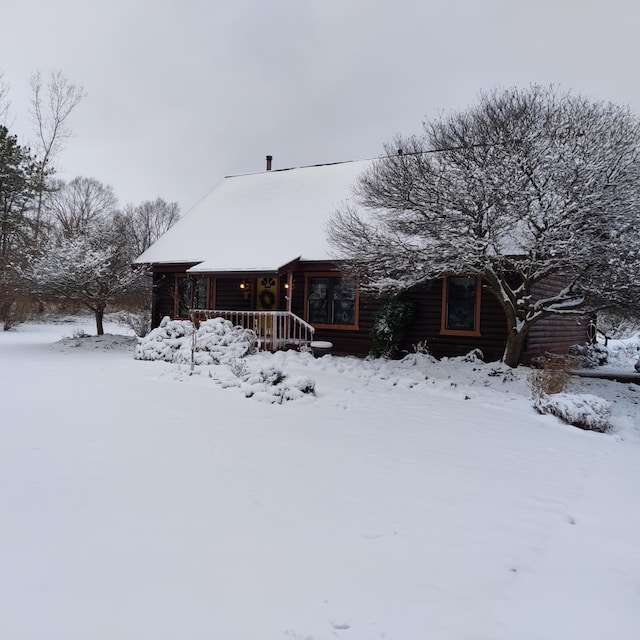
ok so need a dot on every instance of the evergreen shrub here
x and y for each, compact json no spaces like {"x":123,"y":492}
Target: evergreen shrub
{"x":390,"y":326}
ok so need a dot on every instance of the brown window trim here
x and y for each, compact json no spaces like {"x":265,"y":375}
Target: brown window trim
{"x":443,"y":313}
{"x":331,"y":274}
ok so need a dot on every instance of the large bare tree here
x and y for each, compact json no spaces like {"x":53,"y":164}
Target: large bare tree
{"x":149,"y":220}
{"x":528,"y":185}
{"x":5,"y":103}
{"x":77,"y":205}
{"x":51,"y":107}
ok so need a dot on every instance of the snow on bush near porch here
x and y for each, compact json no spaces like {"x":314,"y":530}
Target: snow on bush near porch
{"x":217,"y":341}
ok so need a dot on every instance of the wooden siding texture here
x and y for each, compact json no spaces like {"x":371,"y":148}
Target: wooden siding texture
{"x":426,"y":327}
{"x":163,"y":297}
{"x":229,"y":295}
{"x":554,"y":334}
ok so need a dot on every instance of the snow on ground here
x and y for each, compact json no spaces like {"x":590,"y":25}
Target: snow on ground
{"x":402,"y":500}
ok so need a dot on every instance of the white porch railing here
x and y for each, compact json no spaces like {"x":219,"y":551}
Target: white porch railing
{"x":275,"y":329}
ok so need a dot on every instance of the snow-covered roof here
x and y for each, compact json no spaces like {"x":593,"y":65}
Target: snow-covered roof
{"x":259,"y":222}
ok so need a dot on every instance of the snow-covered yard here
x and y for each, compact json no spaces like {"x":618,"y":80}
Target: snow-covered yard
{"x":403,"y":500}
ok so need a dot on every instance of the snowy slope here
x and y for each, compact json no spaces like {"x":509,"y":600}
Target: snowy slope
{"x":415,"y":500}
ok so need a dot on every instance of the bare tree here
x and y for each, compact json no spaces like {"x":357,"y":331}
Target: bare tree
{"x":527,"y":186}
{"x":149,"y":220}
{"x":50,"y":111}
{"x":79,"y":204}
{"x":5,"y":103}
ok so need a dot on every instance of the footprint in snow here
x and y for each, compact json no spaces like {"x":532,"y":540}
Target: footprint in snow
{"x":340,"y":626}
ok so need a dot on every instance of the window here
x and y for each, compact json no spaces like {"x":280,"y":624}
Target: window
{"x":191,"y":293}
{"x":461,"y":305}
{"x":331,"y":300}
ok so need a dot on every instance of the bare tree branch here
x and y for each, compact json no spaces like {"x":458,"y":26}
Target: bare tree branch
{"x":527,"y":185}
{"x":50,"y":111}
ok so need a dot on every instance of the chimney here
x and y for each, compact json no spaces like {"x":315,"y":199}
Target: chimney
{"x":269,"y":159}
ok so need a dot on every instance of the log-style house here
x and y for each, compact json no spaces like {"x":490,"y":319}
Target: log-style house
{"x":254,"y":250}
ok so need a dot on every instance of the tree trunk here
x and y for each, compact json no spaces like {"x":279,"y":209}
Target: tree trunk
{"x":515,"y":346}
{"x":99,"y":312}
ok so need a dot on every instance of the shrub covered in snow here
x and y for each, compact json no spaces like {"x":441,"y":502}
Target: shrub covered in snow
{"x":589,"y":355}
{"x":272,"y":385}
{"x":216,"y":341}
{"x":582,"y":410}
{"x":623,"y":351}
{"x":266,"y":383}
{"x":475,"y":355}
{"x":139,"y":321}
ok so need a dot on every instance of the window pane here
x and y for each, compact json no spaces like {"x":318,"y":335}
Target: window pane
{"x":319,"y":300}
{"x":192,"y":294}
{"x":184,"y":297}
{"x":461,"y":303}
{"x":344,"y":312}
{"x":200,"y":301}
{"x":332,"y":300}
{"x":344,"y":300}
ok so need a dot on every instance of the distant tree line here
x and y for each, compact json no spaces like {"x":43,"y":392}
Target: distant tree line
{"x":65,"y":241}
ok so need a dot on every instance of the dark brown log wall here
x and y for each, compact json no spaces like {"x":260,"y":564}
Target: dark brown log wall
{"x":229,"y":295}
{"x":426,"y":327}
{"x":225,"y":293}
{"x":163,"y":297}
{"x":557,"y":333}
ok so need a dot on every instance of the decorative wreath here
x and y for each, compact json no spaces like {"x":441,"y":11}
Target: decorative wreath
{"x":267,"y":299}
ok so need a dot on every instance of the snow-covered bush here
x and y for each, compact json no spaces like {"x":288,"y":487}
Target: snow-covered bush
{"x":419,"y":359}
{"x":475,"y":355}
{"x":266,"y":383}
{"x":589,"y":355}
{"x":139,"y":321}
{"x":272,"y":385}
{"x":267,"y":376}
{"x":621,"y":352}
{"x":216,"y":341}
{"x":582,"y":410}
{"x":422,"y":346}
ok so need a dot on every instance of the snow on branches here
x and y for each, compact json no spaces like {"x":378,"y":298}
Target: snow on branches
{"x":91,"y":267}
{"x":529,"y":185}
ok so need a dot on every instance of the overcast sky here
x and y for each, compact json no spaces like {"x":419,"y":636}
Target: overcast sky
{"x":181,"y":93}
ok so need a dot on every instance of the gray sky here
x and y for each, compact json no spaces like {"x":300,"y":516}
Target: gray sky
{"x":182,"y":93}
